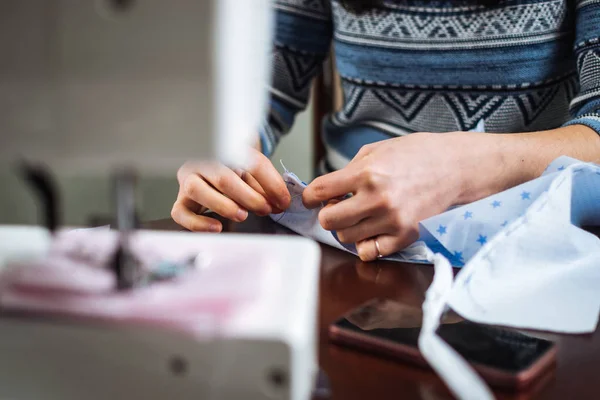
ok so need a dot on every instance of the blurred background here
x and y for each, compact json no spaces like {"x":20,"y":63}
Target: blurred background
{"x":85,"y":198}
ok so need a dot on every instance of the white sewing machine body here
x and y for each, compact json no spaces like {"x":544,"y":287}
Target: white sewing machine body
{"x":266,"y":350}
{"x":92,"y":86}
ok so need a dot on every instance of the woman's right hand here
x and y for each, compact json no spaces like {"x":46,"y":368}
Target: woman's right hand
{"x":229,"y":193}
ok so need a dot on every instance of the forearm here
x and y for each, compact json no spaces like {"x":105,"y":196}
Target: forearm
{"x":532,"y":152}
{"x":500,"y":161}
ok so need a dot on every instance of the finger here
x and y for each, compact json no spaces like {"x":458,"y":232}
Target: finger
{"x":339,"y":215}
{"x":185,"y":170}
{"x":231,"y":185}
{"x":334,"y":185}
{"x":269,"y":179}
{"x":253,"y":183}
{"x":365,"y":229}
{"x":388,"y":244}
{"x":364,"y":151}
{"x":189,"y":203}
{"x":201,"y":192}
{"x":188,"y":219}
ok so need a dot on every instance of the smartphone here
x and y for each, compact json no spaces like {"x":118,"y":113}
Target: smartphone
{"x":504,"y":358}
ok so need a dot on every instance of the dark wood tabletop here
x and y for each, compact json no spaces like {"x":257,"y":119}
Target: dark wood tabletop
{"x":346,"y":282}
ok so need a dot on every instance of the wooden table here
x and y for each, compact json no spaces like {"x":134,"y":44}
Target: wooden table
{"x":346,"y":282}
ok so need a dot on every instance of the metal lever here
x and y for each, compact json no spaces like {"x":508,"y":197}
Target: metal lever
{"x":125,"y":265}
{"x":44,"y":186}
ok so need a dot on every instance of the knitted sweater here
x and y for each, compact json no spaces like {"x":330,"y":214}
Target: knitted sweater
{"x":437,"y":66}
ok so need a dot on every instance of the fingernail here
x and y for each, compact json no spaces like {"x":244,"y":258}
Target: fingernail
{"x":361,"y":251}
{"x":242,"y":214}
{"x":215,"y":228}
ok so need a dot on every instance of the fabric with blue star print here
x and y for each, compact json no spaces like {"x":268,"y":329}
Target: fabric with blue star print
{"x":468,"y":228}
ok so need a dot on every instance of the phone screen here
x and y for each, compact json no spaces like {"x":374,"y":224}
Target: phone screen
{"x":501,"y":349}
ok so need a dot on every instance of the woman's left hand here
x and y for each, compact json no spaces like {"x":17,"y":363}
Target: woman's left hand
{"x":398,"y":182}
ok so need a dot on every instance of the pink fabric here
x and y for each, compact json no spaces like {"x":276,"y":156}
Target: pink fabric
{"x":75,"y":281}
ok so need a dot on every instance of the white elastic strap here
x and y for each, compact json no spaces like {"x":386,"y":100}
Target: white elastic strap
{"x":458,"y":375}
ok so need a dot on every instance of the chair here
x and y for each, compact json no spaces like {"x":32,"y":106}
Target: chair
{"x":327,"y":97}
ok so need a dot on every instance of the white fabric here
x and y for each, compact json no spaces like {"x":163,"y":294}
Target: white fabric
{"x":541,"y":272}
{"x":306,"y":222}
{"x":461,"y":379}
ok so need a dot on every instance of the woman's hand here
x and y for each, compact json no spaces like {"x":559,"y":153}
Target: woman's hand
{"x":229,"y":193}
{"x":398,"y":182}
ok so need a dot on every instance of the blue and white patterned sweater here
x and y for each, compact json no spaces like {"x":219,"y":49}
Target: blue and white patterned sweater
{"x":437,"y":66}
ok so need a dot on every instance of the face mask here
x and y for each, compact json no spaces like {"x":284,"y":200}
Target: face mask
{"x":539,"y":272}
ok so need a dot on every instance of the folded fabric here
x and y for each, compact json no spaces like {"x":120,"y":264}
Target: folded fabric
{"x":306,"y":223}
{"x":460,"y":233}
{"x":541,"y":271}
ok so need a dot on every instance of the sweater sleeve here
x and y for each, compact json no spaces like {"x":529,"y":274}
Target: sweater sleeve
{"x":303,"y":32}
{"x":585,"y":107}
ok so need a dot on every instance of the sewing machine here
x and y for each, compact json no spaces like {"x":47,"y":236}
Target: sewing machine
{"x":124,"y":87}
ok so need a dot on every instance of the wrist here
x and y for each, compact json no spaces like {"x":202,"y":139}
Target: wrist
{"x":490,"y":163}
{"x":486,"y":164}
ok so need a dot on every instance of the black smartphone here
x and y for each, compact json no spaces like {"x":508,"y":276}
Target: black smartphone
{"x":505,"y":358}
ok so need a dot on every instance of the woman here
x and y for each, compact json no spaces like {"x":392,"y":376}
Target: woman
{"x":408,"y":68}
